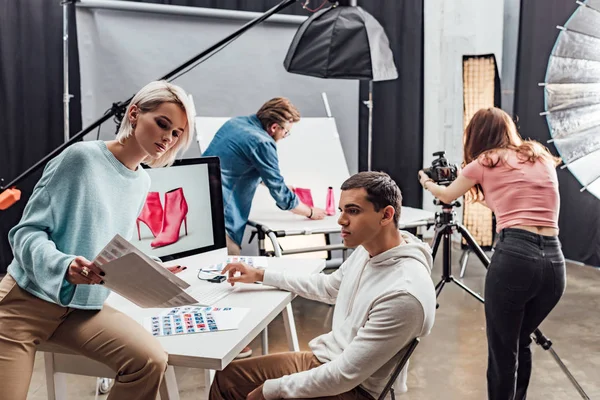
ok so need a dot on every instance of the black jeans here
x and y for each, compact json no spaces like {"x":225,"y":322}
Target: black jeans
{"x":524,"y":282}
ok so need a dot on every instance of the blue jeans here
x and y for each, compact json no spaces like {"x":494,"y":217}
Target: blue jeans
{"x":524,"y":282}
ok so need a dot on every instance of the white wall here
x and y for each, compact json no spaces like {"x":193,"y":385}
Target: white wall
{"x":512,"y":10}
{"x":454,"y":28}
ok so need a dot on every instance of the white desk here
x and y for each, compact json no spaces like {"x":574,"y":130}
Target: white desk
{"x":208,"y":351}
{"x":280,"y":223}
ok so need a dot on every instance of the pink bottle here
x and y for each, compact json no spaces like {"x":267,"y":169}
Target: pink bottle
{"x":330,"y":202}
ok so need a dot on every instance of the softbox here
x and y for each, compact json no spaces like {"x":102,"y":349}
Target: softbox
{"x":341,"y":42}
{"x":481,"y":89}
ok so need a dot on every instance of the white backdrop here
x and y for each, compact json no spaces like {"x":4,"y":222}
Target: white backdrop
{"x":120,"y":51}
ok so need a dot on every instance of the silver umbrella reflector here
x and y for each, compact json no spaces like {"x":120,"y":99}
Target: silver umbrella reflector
{"x":572,"y":95}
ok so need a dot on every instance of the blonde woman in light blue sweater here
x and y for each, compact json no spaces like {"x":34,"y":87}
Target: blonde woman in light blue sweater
{"x":52,"y":292}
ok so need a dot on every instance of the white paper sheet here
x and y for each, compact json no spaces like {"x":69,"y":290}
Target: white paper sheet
{"x":140,"y":279}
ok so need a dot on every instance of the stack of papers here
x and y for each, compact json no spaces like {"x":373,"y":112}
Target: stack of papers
{"x":186,"y":320}
{"x":140,"y":279}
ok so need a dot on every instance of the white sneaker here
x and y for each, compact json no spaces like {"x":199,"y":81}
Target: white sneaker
{"x":245,"y":353}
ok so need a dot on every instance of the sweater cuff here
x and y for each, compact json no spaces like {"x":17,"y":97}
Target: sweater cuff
{"x":271,"y":389}
{"x":67,"y":289}
{"x":272,"y":278}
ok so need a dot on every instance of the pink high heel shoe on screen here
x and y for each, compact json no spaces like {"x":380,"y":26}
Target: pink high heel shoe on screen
{"x":175,"y":213}
{"x":151,"y":215}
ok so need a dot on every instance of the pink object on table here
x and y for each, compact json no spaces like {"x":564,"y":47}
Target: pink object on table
{"x":330,"y":202}
{"x":305,"y":196}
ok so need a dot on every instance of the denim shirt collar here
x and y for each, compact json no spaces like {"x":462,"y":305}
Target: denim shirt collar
{"x":255,"y":121}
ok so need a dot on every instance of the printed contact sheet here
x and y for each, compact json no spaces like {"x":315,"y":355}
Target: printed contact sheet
{"x":194,"y":319}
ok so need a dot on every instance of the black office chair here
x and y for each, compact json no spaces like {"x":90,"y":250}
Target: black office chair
{"x":406,"y":353}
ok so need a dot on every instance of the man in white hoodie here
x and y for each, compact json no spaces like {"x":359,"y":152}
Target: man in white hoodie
{"x":383,"y":294}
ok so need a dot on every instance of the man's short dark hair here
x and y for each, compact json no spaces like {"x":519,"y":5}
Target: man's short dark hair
{"x":381,"y":190}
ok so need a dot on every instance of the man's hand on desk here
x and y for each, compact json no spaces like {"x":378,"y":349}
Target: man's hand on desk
{"x":247,"y":274}
{"x":256,"y":394}
{"x":309,"y":212}
{"x":318,"y":213}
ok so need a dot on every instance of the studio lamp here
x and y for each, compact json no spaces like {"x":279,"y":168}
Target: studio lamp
{"x":343,"y":42}
{"x":572,"y":95}
{"x":481,"y":89}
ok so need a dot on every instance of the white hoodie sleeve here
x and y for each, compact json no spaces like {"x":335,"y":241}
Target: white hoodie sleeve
{"x":319,"y":287}
{"x":394,"y":321}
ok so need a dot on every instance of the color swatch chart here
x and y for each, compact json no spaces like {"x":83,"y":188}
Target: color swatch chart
{"x":186,"y":320}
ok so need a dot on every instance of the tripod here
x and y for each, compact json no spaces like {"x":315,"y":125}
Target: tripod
{"x":445,"y":225}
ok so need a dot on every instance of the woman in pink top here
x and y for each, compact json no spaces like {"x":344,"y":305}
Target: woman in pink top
{"x":517,"y":180}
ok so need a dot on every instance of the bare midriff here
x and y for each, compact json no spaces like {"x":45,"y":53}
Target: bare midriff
{"x":539,"y":230}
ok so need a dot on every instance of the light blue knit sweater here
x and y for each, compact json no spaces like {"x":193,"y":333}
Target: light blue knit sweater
{"x":83,"y":199}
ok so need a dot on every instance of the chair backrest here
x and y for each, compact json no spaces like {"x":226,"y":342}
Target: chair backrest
{"x":405,"y":353}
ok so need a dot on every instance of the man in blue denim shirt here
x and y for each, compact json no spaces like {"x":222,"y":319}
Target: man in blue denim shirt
{"x":247,"y":149}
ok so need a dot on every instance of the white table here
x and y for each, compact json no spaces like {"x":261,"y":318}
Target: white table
{"x":207,"y":351}
{"x":284,"y":223}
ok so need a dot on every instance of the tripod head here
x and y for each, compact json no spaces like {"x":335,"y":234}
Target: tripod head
{"x":438,"y":202}
{"x":446,"y":216}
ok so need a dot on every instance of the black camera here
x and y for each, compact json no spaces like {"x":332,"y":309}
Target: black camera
{"x":441,"y":171}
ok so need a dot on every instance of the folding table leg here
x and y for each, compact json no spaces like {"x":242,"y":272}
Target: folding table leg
{"x":264,"y":336}
{"x":56,"y":383}
{"x":290,"y":328}
{"x":169,"y":389}
{"x":209,"y":377}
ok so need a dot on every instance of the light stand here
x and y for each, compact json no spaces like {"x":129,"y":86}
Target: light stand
{"x":369,"y":104}
{"x":445,"y":225}
{"x":66,"y":5}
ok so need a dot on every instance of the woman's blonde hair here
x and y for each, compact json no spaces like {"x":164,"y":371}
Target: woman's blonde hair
{"x":492,"y":129}
{"x":148,"y":99}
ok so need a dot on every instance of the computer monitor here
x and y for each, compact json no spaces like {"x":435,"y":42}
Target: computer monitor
{"x":192,"y":184}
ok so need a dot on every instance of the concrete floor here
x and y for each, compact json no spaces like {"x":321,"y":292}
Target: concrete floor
{"x":450,"y":363}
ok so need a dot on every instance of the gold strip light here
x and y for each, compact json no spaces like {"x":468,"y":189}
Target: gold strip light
{"x":479,"y":91}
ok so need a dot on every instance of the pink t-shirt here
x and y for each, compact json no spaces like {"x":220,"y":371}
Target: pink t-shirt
{"x":519,"y":193}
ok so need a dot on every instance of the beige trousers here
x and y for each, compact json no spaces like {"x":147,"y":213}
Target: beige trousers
{"x":107,"y":336}
{"x":243,"y":376}
{"x":232,"y":247}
